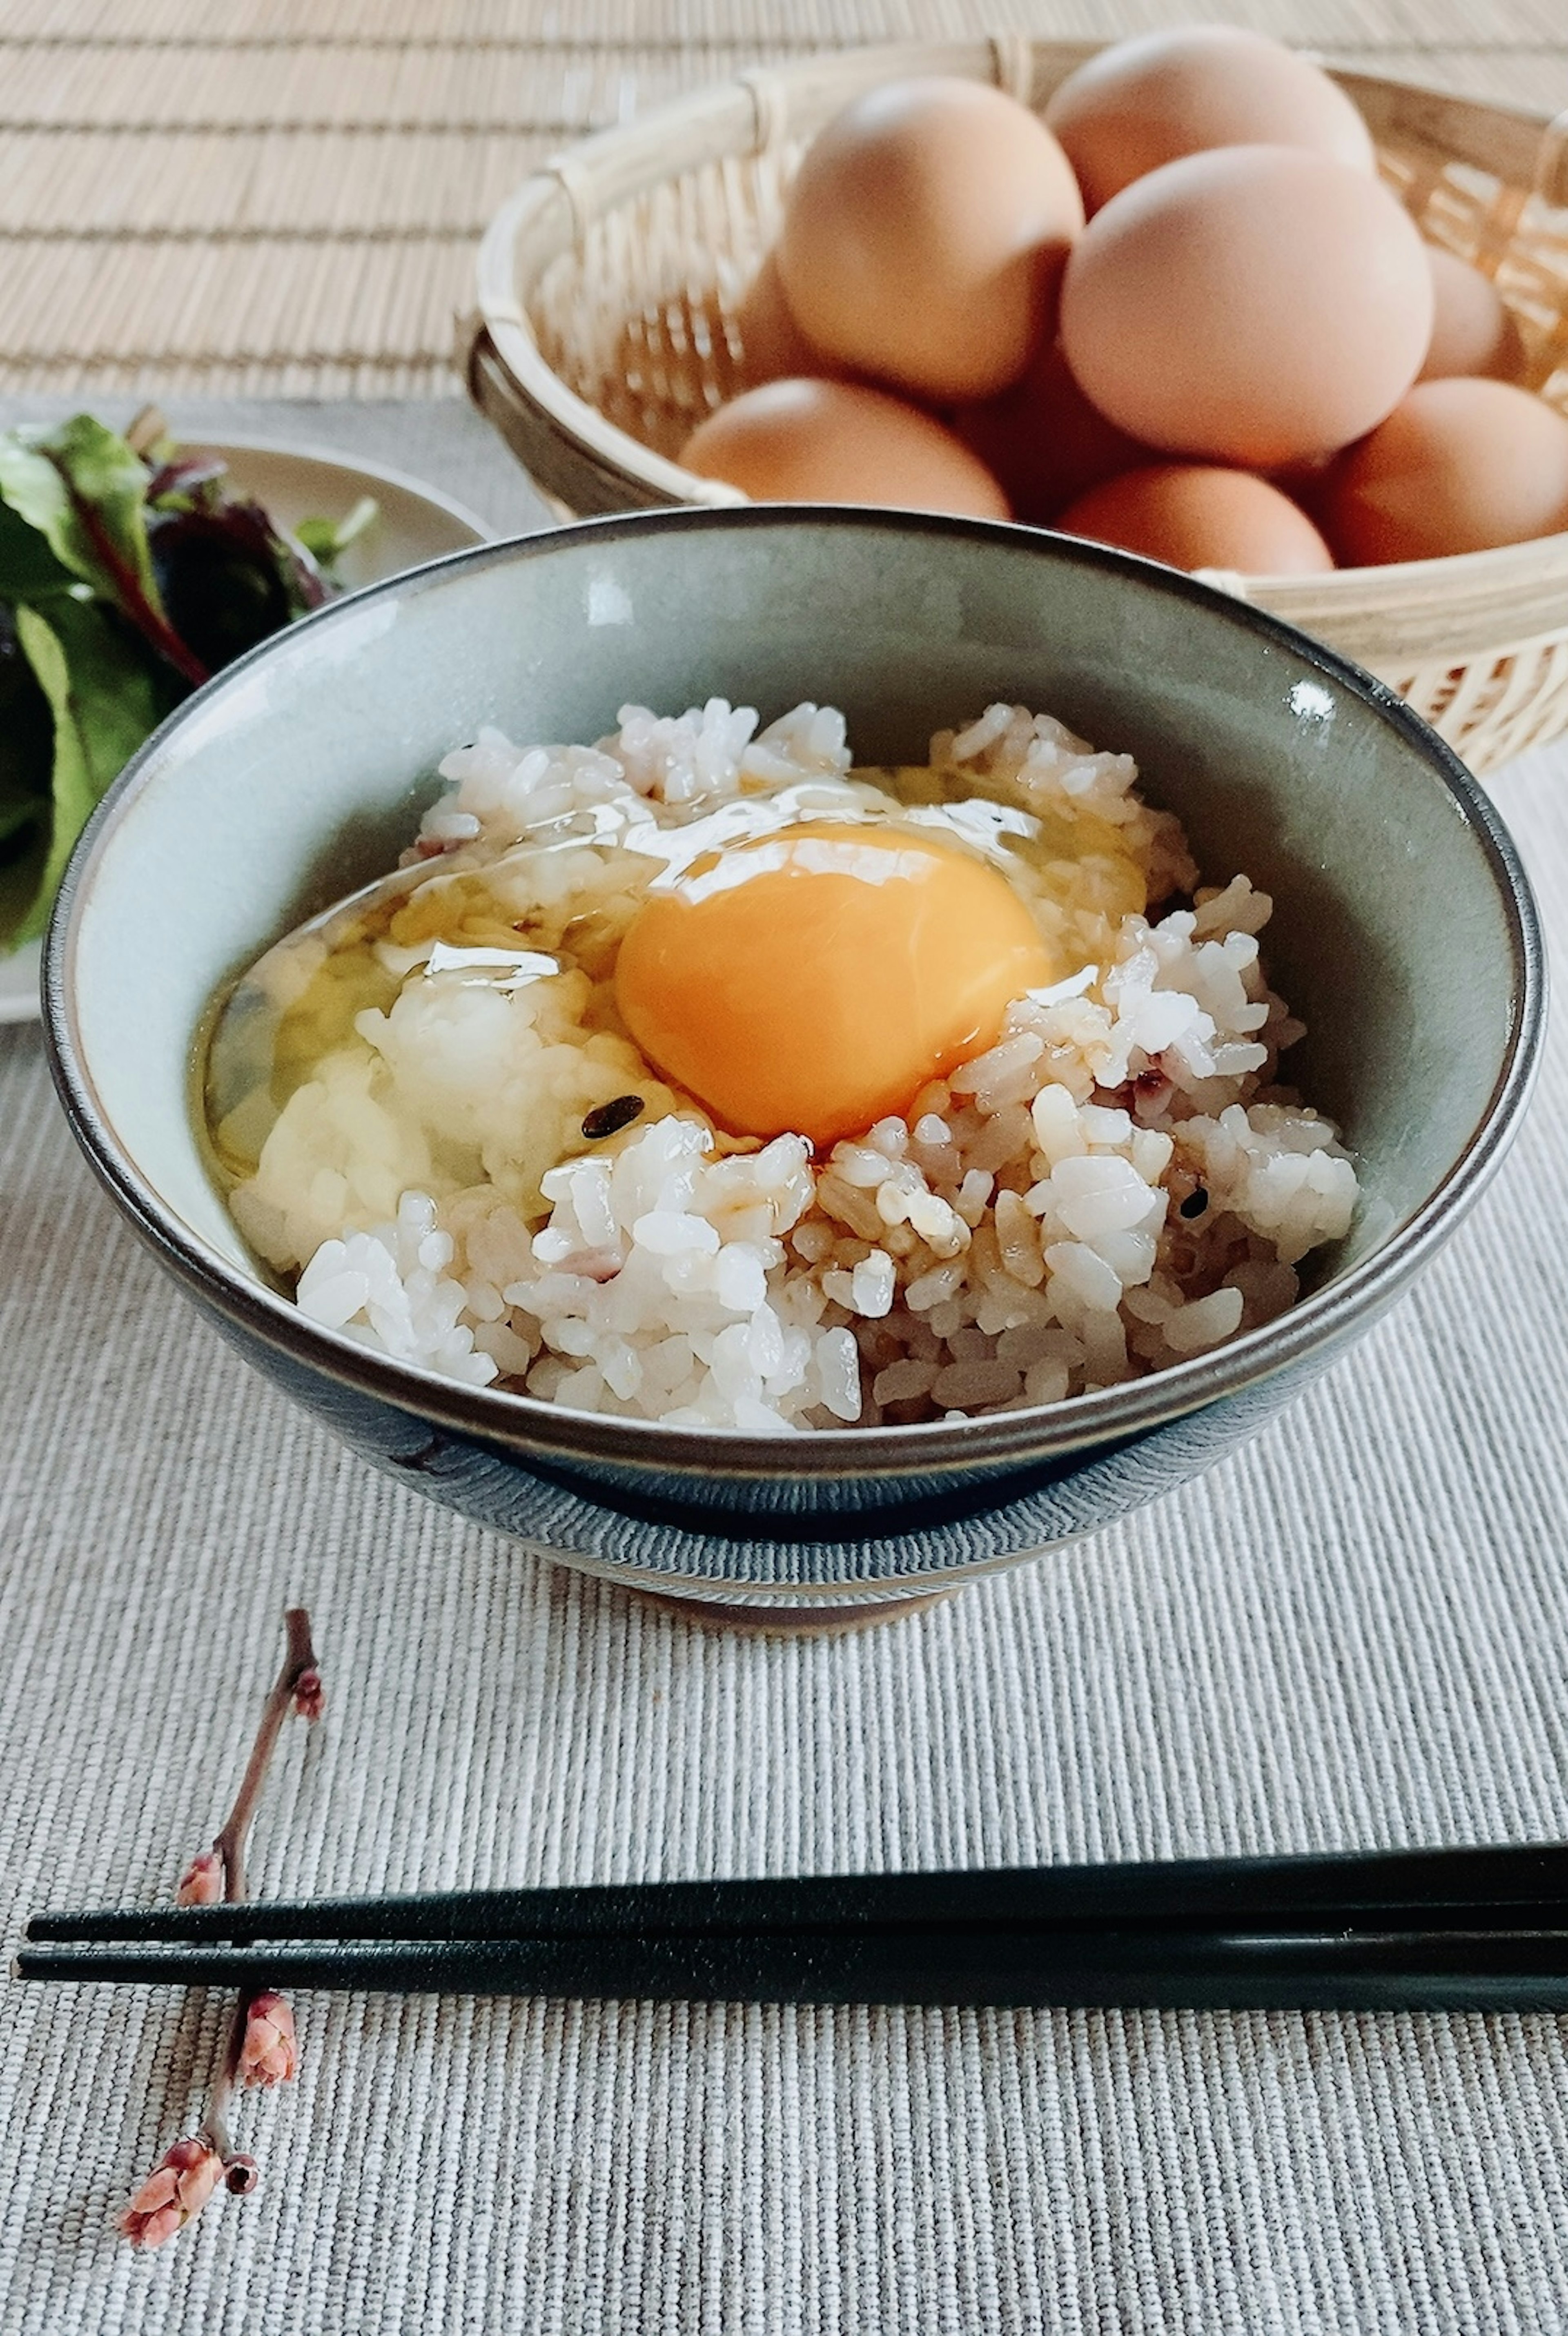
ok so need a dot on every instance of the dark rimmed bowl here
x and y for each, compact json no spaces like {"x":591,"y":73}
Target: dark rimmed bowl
{"x":1404,"y":933}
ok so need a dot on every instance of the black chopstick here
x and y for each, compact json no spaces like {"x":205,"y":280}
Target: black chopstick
{"x":1462,"y":1929}
{"x":1373,"y":1970}
{"x":1491,"y":1883}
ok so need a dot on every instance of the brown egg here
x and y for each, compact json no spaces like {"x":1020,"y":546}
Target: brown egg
{"x":1190,"y":515}
{"x":1044,"y":441}
{"x":773,"y":346}
{"x":1147,"y":101}
{"x":840,"y":443}
{"x":1257,"y":305}
{"x":1472,"y":331}
{"x":1457,"y":466}
{"x":924,"y":239}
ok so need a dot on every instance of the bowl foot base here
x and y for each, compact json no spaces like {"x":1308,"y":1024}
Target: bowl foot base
{"x":823,"y":1622}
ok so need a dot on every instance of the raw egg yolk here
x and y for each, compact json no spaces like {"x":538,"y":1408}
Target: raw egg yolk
{"x":816,"y":979}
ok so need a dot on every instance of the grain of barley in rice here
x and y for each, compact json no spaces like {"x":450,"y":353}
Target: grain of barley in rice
{"x":700,"y":1075}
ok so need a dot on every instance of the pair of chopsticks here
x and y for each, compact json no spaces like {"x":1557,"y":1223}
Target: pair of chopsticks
{"x":1481,"y":1929}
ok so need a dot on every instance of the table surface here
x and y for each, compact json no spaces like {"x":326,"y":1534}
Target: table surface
{"x":1353,"y":1633}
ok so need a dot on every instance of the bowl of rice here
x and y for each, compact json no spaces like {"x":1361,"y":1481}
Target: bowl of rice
{"x":789,"y":1057}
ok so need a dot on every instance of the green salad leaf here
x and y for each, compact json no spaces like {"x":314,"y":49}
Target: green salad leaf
{"x":26,"y":754}
{"x":84,"y":491}
{"x":326,"y":540}
{"x":103,"y":702}
{"x":82,"y":487}
{"x":28,"y":566}
{"x":127,"y":576}
{"x":18,"y":811}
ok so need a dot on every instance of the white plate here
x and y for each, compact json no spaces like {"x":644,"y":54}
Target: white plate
{"x":412,"y":523}
{"x":19,"y":985}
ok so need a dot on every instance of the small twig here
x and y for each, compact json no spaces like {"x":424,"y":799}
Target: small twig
{"x":299,"y":1669}
{"x":214,"y":2127}
{"x":259,"y":2047}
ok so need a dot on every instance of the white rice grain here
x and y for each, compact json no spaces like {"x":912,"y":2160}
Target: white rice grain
{"x":1098,"y":1191}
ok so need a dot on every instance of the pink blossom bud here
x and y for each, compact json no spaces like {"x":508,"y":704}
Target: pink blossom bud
{"x":309,"y":1698}
{"x":176,"y":2190}
{"x":240,"y":2174}
{"x":268,"y":2055}
{"x":202,"y":1883}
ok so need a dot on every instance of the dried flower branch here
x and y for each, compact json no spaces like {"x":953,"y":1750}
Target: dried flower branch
{"x":309,"y":1697}
{"x":297,"y":1687}
{"x":261,"y":2048}
{"x":202,"y":1883}
{"x":267,"y":2053}
{"x":176,"y":2190}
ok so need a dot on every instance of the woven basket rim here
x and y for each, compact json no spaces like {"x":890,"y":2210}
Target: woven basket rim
{"x":744,"y":115}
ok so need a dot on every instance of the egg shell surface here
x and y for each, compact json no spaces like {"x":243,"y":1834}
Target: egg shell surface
{"x":1255,"y":305}
{"x":924,"y":237}
{"x":1458,"y":466}
{"x":840,"y":443}
{"x":1193,"y":515}
{"x":1147,"y":101}
{"x":1473,"y":332}
{"x":773,"y":346}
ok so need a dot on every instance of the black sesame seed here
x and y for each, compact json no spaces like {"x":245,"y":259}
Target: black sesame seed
{"x":610,"y":1118}
{"x":1195,"y":1204}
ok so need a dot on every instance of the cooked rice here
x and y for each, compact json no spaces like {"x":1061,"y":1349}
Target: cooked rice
{"x":1116,"y":1185}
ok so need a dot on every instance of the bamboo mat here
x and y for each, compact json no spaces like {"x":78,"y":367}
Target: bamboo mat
{"x":281,"y":197}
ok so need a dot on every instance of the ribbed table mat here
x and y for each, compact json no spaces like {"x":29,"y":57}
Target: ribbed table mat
{"x":283,"y":197}
{"x":1355,"y":1632}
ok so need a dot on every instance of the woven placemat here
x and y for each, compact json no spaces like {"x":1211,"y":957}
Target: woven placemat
{"x":1353,"y":1633}
{"x":282,"y":198}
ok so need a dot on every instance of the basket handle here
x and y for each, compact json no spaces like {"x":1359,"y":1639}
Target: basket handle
{"x":574,"y":182}
{"x":1013,"y":64}
{"x":1013,"y":68}
{"x":770,"y":107}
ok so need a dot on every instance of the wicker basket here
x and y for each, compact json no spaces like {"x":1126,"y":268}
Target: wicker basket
{"x":606,"y":329}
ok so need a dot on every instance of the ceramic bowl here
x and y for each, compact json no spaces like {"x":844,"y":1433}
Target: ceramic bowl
{"x":1404,"y":933}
